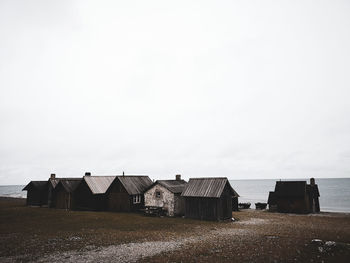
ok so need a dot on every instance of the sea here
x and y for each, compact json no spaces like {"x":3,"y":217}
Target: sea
{"x":334,"y":193}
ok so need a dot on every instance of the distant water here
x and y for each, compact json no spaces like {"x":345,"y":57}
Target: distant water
{"x":334,"y":193}
{"x":13,"y":191}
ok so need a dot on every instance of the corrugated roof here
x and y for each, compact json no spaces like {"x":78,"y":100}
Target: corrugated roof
{"x":174,"y":186}
{"x":54,"y":182}
{"x":290,"y":188}
{"x":99,"y":184}
{"x":207,"y":187}
{"x":36,"y":184}
{"x":70,"y":184}
{"x":135,"y":184}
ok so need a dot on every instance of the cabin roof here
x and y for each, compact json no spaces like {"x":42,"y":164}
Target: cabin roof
{"x":207,"y":187}
{"x":69,"y":184}
{"x":135,"y":184}
{"x":54,"y":182}
{"x":174,"y":186}
{"x":290,"y":188}
{"x":99,"y":184}
{"x":40,"y":185}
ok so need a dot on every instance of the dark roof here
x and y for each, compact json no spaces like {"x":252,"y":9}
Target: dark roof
{"x":99,"y":184}
{"x":69,"y":184}
{"x":174,"y":186}
{"x":290,"y":188}
{"x":54,"y":182}
{"x":40,"y":185}
{"x":207,"y":187}
{"x":135,"y":184}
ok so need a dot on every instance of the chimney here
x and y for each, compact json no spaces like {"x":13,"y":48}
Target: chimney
{"x":178,"y":177}
{"x":312,"y":181}
{"x":87,"y":174}
{"x":52,"y":176}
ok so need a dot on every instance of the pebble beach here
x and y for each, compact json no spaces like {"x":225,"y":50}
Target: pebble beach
{"x":33,"y":234}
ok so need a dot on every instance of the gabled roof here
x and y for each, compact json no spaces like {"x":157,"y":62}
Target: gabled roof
{"x":99,"y":184}
{"x":135,"y":184}
{"x":207,"y":187}
{"x":40,"y":185}
{"x":54,"y":182}
{"x":69,"y":184}
{"x":290,"y":188}
{"x":174,"y":186}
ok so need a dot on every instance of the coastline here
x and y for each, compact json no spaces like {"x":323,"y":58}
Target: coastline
{"x":33,"y":234}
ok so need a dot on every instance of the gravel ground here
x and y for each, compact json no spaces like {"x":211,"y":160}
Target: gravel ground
{"x":132,"y":252}
{"x":49,"y":235}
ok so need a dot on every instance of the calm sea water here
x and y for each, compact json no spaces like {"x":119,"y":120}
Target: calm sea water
{"x":335,"y":193}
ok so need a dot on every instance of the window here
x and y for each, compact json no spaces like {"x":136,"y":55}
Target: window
{"x":137,"y":199}
{"x":158,"y":194}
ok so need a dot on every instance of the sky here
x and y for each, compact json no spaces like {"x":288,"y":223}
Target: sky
{"x":237,"y":89}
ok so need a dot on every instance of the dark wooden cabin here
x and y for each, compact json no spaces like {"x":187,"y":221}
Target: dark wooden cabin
{"x":63,"y":193}
{"x":208,"y":198}
{"x":91,"y":193}
{"x":295,"y":197}
{"x":125,"y":194}
{"x":37,"y":193}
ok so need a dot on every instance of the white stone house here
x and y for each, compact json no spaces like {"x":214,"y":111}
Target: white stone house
{"x":167,"y":194}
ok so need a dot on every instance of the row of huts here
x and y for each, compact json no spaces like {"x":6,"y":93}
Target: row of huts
{"x":200,"y":198}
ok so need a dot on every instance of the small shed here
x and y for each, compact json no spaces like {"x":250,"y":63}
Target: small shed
{"x":125,"y":194}
{"x":208,"y":198}
{"x":295,"y":197}
{"x":63,"y":193}
{"x":91,"y":193}
{"x":167,"y":195}
{"x":37,"y":193}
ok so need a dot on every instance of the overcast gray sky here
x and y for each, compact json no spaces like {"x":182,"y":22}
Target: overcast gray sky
{"x":242,"y":89}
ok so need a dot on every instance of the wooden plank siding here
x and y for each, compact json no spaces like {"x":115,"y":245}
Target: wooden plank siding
{"x":119,"y":200}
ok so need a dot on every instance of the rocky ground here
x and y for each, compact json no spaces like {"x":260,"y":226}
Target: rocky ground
{"x":30,"y":234}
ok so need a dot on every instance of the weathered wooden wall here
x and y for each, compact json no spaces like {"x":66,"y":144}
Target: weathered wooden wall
{"x":119,"y":200}
{"x":37,"y":197}
{"x":179,"y":207}
{"x":62,"y":199}
{"x":85,"y":200}
{"x":293,"y":205}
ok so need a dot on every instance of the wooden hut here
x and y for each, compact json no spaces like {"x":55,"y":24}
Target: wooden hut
{"x":208,"y":198}
{"x":37,"y":193}
{"x":63,"y":193}
{"x":295,"y":197}
{"x":91,"y":193}
{"x":166,"y":194}
{"x":125,"y":194}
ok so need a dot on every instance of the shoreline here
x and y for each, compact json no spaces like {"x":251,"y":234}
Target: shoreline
{"x":322,"y":212}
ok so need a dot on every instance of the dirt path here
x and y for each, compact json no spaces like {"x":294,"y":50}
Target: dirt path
{"x":131,"y":252}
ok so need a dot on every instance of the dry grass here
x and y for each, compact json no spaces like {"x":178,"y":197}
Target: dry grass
{"x":34,"y":231}
{"x":28,"y":233}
